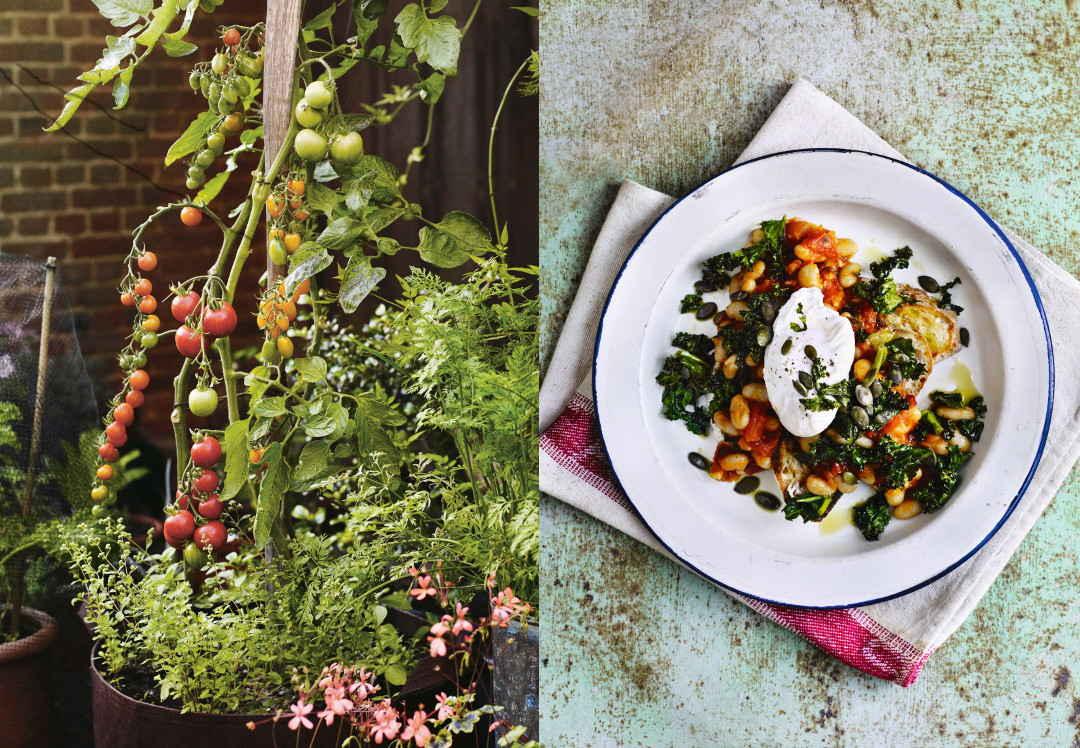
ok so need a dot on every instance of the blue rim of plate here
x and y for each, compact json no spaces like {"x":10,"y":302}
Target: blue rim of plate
{"x":1050,"y":384}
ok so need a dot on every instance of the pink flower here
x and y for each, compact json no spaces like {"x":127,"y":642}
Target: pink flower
{"x":440,"y":628}
{"x":425,"y":589}
{"x":461,"y":624}
{"x":445,"y":709}
{"x":491,"y":580}
{"x":417,"y":730}
{"x":386,"y":722}
{"x":336,"y":704}
{"x":300,"y":710}
{"x":438,"y":646}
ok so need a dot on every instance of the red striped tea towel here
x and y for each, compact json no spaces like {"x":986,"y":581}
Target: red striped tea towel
{"x":890,"y":640}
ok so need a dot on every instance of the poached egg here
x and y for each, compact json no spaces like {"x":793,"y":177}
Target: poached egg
{"x":805,"y":321}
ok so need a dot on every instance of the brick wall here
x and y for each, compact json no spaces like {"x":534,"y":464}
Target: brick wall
{"x":78,"y":194}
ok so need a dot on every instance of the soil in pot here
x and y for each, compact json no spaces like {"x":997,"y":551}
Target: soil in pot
{"x":26,"y":682}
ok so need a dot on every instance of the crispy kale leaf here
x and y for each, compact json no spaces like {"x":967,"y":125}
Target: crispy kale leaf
{"x":828,"y":396}
{"x":946,"y":301}
{"x":934,"y":493}
{"x":690,"y":303}
{"x":872,"y":516}
{"x":808,"y":506}
{"x":768,"y":249}
{"x":698,"y":345}
{"x":901,"y":354}
{"x":881,"y":290}
{"x":901,"y":462}
{"x":686,"y":378}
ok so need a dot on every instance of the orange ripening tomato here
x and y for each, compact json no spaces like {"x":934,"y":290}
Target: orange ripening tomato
{"x":296,"y":186}
{"x":274,"y":206}
{"x":105,"y":472}
{"x":279,"y":233}
{"x":127,"y":298}
{"x":139,"y":380}
{"x":134,"y":398}
{"x":152,"y":323}
{"x":147,"y":305}
{"x":190,"y":216}
{"x":292,"y":242}
{"x":260,"y":320}
{"x":282,"y":322}
{"x":143,"y":287}
{"x":288,"y":309}
{"x":147,"y":261}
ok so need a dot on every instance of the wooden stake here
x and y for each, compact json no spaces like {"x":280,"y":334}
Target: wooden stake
{"x":282,"y":31}
{"x":35,"y":436}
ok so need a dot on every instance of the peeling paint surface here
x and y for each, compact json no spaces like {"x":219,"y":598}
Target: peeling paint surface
{"x":986,"y":95}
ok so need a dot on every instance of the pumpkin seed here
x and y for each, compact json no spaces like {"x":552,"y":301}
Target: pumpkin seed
{"x":764,"y":336}
{"x":706,"y":310}
{"x":786,"y":347}
{"x":811,"y":352}
{"x":862,"y":394}
{"x":859,"y":416}
{"x":749,"y":484}
{"x":895,"y":376}
{"x":876,"y":389}
{"x":965,"y":337}
{"x":849,"y":477}
{"x":767,"y":501}
{"x":806,"y":380}
{"x":798,"y":387}
{"x":698,"y":460}
{"x":768,"y":313}
{"x":739,"y":296}
{"x":929,"y":284}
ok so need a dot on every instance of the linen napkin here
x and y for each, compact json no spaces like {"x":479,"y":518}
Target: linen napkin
{"x":890,"y":640}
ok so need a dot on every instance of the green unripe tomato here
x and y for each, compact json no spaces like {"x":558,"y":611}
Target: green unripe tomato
{"x":219,"y":63}
{"x":194,"y":557}
{"x":309,"y":145}
{"x":224,"y":106}
{"x":99,"y":493}
{"x":318,"y":95}
{"x":276,"y":249}
{"x":306,"y":116}
{"x":193,"y":184}
{"x":269,"y":352}
{"x":194,"y":80}
{"x":138,"y":361}
{"x":148,"y":339}
{"x":202,"y":402}
{"x":243,"y":88}
{"x":252,"y":67}
{"x":216,"y":142}
{"x":99,"y":511}
{"x":347,"y":149}
{"x":214,"y":93}
{"x":205,"y":158}
{"x":196,"y":173}
{"x":229,"y":93}
{"x":204,"y":85}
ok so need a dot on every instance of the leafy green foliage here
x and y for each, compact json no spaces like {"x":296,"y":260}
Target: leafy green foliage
{"x":829,"y":396}
{"x":809,"y":507}
{"x":901,"y":462}
{"x":872,"y":516}
{"x":697,"y":345}
{"x":946,"y":301}
{"x":935,"y":492}
{"x":767,"y":249}
{"x":690,"y":303}
{"x":901,"y":354}
{"x":881,"y":290}
{"x":436,"y":41}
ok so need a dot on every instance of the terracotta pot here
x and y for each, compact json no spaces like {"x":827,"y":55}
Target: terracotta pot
{"x":26,"y":683}
{"x":123,"y":722}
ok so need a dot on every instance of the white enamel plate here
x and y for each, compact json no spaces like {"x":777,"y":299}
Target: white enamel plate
{"x":882,"y":204}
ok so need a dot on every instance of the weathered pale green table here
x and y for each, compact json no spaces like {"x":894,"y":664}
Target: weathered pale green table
{"x":639,"y":652}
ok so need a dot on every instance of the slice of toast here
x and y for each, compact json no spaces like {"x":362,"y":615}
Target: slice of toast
{"x":939,"y":327}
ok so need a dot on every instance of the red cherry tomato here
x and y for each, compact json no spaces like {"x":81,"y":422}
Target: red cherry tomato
{"x":124,"y":414}
{"x":105,"y":473}
{"x":206,"y":482}
{"x":139,"y":380}
{"x":191,"y":216}
{"x":134,"y":398}
{"x":177,"y":543}
{"x":147,"y":261}
{"x":147,"y":305}
{"x":182,"y":500}
{"x":116,"y":434}
{"x":143,"y":287}
{"x":127,"y":298}
{"x":231,"y":38}
{"x":220,"y":322}
{"x":206,"y":453}
{"x":108,"y":452}
{"x":184,"y":306}
{"x":189,"y":342}
{"x":211,"y":536}
{"x":212,"y":507}
{"x":180,"y":525}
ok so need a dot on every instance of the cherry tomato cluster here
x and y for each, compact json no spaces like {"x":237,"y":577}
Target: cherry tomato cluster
{"x":286,"y":210}
{"x":200,"y":327}
{"x":276,"y":313}
{"x":201,"y":530}
{"x":311,"y":143}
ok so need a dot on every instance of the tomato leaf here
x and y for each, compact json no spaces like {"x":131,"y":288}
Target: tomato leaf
{"x":274,"y":484}
{"x":163,"y":16}
{"x":74,"y":97}
{"x":174,"y":46}
{"x":124,"y":12}
{"x":449,"y":242}
{"x":315,"y":466}
{"x":320,"y":199}
{"x":527,"y":10}
{"x":341,"y":233}
{"x":436,"y":41}
{"x":371,"y":438}
{"x":379,"y":217}
{"x":380,"y":411}
{"x":332,"y":423}
{"x":309,"y":259}
{"x":311,"y":369}
{"x":323,"y":20}
{"x":431,"y":88}
{"x":192,"y":138}
{"x":376,"y":174}
{"x":357,"y":282}
{"x":270,"y":407}
{"x":236,"y":458}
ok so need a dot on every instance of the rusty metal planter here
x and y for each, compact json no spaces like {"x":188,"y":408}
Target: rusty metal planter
{"x":25,"y":683}
{"x":516,"y":676}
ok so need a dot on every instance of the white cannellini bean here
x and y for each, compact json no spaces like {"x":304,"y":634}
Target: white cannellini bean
{"x":809,"y":277}
{"x":731,"y":366}
{"x":955,"y":414}
{"x":736,"y":309}
{"x":907,"y":509}
{"x":724,"y":423}
{"x":895,"y":496}
{"x":740,"y":412}
{"x":849,"y":274}
{"x":756,"y":391}
{"x":819,"y":486}
{"x":735,"y":461}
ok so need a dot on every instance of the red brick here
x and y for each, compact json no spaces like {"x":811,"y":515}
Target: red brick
{"x":98,"y":198}
{"x":37,"y":151}
{"x":7,"y":226}
{"x":38,"y":6}
{"x":86,"y":52}
{"x":37,"y":51}
{"x":35,"y":176}
{"x":95,"y":246}
{"x":40,"y":249}
{"x":69,"y":27}
{"x":105,"y":221}
{"x":7,"y":27}
{"x":7,"y":126}
{"x":106,"y":175}
{"x":33,"y":225}
{"x":70,"y":174}
{"x":69,"y":224}
{"x":101,"y":124}
{"x":7,"y":176}
{"x":26,"y":202}
{"x":116,"y":148}
{"x":33,"y":26}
